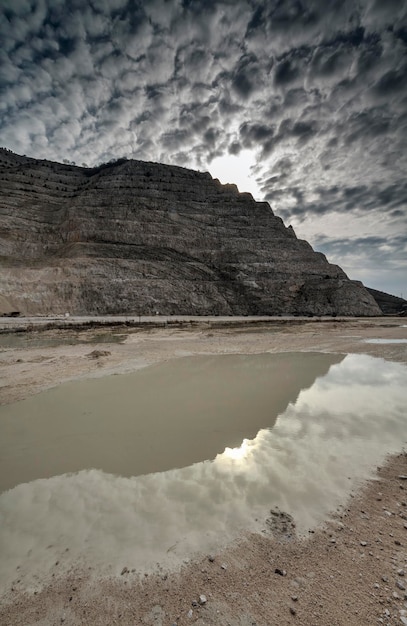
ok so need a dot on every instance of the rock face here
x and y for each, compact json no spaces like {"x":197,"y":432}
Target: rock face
{"x":132,"y":237}
{"x":389,"y":305}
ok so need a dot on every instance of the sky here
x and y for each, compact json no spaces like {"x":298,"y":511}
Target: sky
{"x":301,"y":102}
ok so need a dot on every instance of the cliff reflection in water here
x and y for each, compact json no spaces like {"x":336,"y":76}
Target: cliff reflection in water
{"x":159,"y":418}
{"x":328,"y":437}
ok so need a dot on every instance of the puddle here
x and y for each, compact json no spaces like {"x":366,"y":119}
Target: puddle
{"x":385,"y":340}
{"x":44,"y":340}
{"x":302,"y":429}
{"x":156,"y":419}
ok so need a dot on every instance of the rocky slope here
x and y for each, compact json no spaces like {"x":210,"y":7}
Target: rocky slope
{"x":133,"y":237}
{"x":389,"y":305}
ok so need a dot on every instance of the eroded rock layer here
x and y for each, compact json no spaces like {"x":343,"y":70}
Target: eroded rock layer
{"x":133,"y":237}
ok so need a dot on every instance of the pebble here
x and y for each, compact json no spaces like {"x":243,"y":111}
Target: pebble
{"x":202,"y":599}
{"x":280,"y":572}
{"x":190,"y":613}
{"x":293,"y":611}
{"x":376,"y":586}
{"x":224,"y":566}
{"x":401,"y":585}
{"x":401,"y":572}
{"x":211,"y":558}
{"x":124,"y":571}
{"x":363,"y":543}
{"x":385,"y":579}
{"x":294,"y":598}
{"x":398,"y":543}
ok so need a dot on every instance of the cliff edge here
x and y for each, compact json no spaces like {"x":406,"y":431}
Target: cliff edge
{"x":132,"y":237}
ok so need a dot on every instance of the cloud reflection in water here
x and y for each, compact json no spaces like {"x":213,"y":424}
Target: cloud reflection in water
{"x":333,"y":435}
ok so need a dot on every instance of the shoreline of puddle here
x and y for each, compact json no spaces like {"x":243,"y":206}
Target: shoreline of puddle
{"x":203,"y":506}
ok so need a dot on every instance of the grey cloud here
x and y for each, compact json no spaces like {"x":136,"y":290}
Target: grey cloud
{"x":255,"y":134}
{"x":286,"y":72}
{"x":235,"y":148}
{"x":296,"y":98}
{"x":393,"y":81}
{"x":340,"y":199}
{"x":386,"y":249}
{"x":246,"y":77}
{"x":300,"y":130}
{"x":367,"y":123}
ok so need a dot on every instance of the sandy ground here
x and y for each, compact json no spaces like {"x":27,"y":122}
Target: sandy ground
{"x":352,"y":571}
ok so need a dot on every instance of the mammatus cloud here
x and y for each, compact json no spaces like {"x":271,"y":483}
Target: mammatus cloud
{"x":315,"y":91}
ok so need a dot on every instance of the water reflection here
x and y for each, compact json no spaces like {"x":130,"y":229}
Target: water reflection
{"x":385,"y":340}
{"x":330,"y":436}
{"x":160,"y":418}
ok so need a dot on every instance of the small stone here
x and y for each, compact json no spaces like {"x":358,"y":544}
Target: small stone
{"x":211,"y":558}
{"x":190,"y":613}
{"x":293,"y":611}
{"x":385,"y":579}
{"x":96,"y":354}
{"x":402,"y":477}
{"x":280,"y":572}
{"x":398,"y":543}
{"x":202,"y":599}
{"x":395,"y":595}
{"x":195,"y":604}
{"x":376,"y":586}
{"x":224,"y":566}
{"x":363,"y":543}
{"x":400,"y":585}
{"x":124,"y":571}
{"x":401,"y":572}
{"x":294,"y":598}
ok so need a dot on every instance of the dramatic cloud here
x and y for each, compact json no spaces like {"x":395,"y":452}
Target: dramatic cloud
{"x":310,"y":95}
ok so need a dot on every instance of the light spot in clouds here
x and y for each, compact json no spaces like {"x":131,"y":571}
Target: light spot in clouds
{"x":237,"y":169}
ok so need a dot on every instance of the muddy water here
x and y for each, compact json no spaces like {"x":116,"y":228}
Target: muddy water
{"x":337,"y":418}
{"x":160,"y":418}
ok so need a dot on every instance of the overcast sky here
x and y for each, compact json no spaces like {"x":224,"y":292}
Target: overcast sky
{"x":301,"y":102}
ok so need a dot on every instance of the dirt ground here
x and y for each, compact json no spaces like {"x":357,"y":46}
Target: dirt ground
{"x":351,"y":571}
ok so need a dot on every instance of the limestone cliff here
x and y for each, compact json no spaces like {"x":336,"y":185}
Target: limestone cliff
{"x":133,"y":237}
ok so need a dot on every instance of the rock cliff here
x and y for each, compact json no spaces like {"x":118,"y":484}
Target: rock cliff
{"x":134,"y":237}
{"x":389,"y":305}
